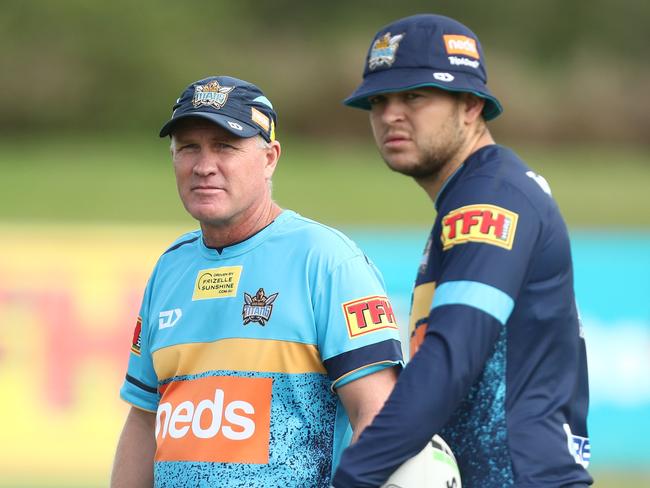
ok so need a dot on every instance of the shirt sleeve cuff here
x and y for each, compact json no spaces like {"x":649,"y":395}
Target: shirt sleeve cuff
{"x":139,"y":397}
{"x":355,"y":362}
{"x":363,"y":371}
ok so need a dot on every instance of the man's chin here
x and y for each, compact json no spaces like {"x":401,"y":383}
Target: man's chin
{"x":208,"y":216}
{"x":408,"y":169}
{"x":413,"y":168}
{"x":398,"y":163}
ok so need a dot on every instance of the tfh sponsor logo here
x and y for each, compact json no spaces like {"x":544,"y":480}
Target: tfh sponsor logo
{"x":369,"y":314}
{"x":482,"y":223}
{"x":223,"y":419}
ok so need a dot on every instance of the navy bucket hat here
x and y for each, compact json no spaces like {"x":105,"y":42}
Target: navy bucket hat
{"x":236,"y":105}
{"x":425,"y":50}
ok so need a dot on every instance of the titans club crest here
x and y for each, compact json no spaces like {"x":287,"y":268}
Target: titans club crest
{"x":211,"y":95}
{"x":258,"y":308}
{"x":383,"y":51}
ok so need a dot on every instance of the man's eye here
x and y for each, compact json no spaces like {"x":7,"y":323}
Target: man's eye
{"x":187,"y":147}
{"x":377,"y":99}
{"x":224,"y":146}
{"x":411,"y":95}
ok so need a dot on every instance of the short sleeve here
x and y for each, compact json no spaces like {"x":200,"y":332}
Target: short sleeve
{"x":487,"y":235}
{"x":356,"y":325}
{"x":140,"y":387}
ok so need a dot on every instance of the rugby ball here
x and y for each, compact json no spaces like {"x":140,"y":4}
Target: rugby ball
{"x":433,"y":467}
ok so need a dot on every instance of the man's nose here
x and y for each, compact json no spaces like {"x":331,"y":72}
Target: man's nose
{"x":393,"y":111}
{"x":206,"y":164}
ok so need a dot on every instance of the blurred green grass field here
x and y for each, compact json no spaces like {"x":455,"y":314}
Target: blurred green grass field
{"x":112,"y":179}
{"x":130,"y":180}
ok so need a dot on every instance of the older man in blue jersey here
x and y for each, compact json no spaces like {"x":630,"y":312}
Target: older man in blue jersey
{"x":263,"y":335}
{"x":498,"y":364}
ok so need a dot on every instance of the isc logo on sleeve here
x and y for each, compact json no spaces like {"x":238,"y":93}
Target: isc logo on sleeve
{"x":368,"y":314}
{"x":222,"y":419}
{"x":479,"y":223}
{"x":136,"y":344}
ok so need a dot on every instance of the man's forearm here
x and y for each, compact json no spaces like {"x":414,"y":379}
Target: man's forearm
{"x":133,"y":465}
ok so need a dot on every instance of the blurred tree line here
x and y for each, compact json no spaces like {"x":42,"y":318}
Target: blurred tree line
{"x":565,"y":70}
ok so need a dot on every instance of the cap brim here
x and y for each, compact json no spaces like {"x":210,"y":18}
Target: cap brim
{"x":230,"y":124}
{"x":401,"y":79}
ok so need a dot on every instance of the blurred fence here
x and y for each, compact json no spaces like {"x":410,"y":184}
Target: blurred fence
{"x":69,"y":299}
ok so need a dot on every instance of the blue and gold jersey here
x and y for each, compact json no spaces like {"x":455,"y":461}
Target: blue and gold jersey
{"x":239,"y":351}
{"x":498,"y":364}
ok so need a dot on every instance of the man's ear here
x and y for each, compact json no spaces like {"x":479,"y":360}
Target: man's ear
{"x":272,"y":157}
{"x":472,"y":107}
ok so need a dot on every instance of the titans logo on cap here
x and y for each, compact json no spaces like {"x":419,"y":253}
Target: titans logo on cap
{"x":211,"y":95}
{"x":383,"y":50}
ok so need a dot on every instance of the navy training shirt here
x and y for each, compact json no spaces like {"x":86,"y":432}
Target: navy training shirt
{"x":500,"y":370}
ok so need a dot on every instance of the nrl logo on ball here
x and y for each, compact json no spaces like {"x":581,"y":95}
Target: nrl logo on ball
{"x":211,"y":95}
{"x":434,"y":467}
{"x":258,"y":308}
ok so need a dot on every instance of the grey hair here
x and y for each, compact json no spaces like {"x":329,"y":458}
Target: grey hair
{"x":261,"y":142}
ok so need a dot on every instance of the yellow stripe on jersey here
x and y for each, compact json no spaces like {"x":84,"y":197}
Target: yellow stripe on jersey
{"x":260,"y":355}
{"x":420,"y":308}
{"x":422,"y":301}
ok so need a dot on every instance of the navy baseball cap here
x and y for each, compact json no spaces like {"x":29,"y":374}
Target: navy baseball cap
{"x":425,"y":50}
{"x":236,"y":105}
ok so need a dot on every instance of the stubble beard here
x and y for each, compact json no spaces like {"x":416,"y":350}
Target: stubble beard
{"x":435,"y":153}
